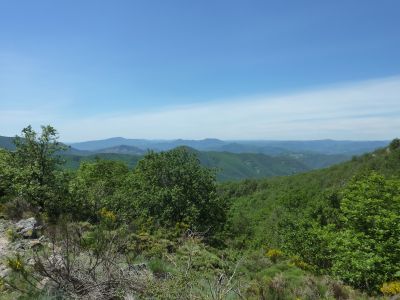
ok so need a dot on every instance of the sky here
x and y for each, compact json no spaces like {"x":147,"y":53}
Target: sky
{"x":201,"y":69}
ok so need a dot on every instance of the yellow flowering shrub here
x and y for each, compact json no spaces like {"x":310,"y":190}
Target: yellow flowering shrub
{"x":274,"y":254}
{"x":108,"y":215}
{"x":16,"y":264}
{"x":298,"y":262}
{"x":180,"y":228}
{"x":11,"y":234}
{"x":391,"y":288}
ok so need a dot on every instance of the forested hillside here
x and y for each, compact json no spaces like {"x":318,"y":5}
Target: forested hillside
{"x":228,"y":166}
{"x":343,"y":220}
{"x":165,"y":229}
{"x":231,"y":166}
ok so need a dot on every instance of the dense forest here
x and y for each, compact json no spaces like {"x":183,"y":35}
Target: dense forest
{"x":166,"y":229}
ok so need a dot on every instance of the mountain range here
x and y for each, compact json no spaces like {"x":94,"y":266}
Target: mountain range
{"x":239,"y":146}
{"x":233,"y":160}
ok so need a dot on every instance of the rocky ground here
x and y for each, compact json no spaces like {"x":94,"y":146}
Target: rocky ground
{"x":4,"y":246}
{"x":16,"y":238}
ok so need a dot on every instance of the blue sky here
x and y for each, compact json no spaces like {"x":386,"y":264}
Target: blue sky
{"x":196,"y":69}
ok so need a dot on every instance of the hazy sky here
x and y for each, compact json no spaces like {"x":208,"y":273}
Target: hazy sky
{"x":196,"y":69}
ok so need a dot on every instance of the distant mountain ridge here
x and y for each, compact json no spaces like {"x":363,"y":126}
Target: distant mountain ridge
{"x":123,"y":149}
{"x":233,"y":160}
{"x":256,"y":146}
{"x":6,"y":142}
{"x":274,"y":148}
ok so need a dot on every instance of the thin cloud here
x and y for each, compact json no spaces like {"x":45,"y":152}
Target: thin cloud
{"x":363,"y":110}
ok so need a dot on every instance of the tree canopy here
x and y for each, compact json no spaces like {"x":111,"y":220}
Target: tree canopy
{"x":173,"y":187}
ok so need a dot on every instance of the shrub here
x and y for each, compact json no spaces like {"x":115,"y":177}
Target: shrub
{"x":158,"y":267}
{"x":2,"y":285}
{"x":108,"y":216}
{"x":365,"y":248}
{"x":89,"y":265}
{"x":11,"y":234}
{"x":274,"y":254}
{"x":94,"y":189}
{"x":298,"y":262}
{"x":277,"y":286}
{"x":16,"y":264}
{"x":391,"y":288}
{"x":36,"y":174}
{"x":395,"y":144}
{"x":172,"y":187}
{"x":17,"y":208}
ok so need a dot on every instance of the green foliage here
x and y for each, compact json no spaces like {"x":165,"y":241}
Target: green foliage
{"x":342,"y":221}
{"x":16,"y":208}
{"x":274,"y":254}
{"x":158,"y":267}
{"x":12,"y":235}
{"x":172,"y":187}
{"x":391,"y":288}
{"x":5,"y":174}
{"x":35,"y":173}
{"x":16,"y":264}
{"x":73,"y":162}
{"x":229,"y":166}
{"x":394,"y":145}
{"x":94,"y":186}
{"x":366,"y":248}
{"x":168,"y":214}
{"x":236,"y":166}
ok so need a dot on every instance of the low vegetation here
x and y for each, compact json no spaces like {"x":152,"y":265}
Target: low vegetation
{"x":166,"y":229}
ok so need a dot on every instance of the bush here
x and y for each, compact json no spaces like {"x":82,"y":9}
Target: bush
{"x":395,"y":144}
{"x":12,"y":235}
{"x":172,"y":187}
{"x":391,"y":288}
{"x":158,"y":267}
{"x":88,"y":263}
{"x":17,"y":209}
{"x":94,"y":188}
{"x":274,"y":254}
{"x":366,"y":249}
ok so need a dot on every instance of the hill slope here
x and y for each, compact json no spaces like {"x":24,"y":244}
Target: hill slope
{"x":122,"y":149}
{"x":258,"y":203}
{"x":249,"y":165}
{"x":7,"y":142}
{"x":230,"y":166}
{"x":342,"y":221}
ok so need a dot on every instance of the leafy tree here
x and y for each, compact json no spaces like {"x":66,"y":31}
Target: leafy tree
{"x":95,"y":186}
{"x":395,"y":144}
{"x":367,"y":249}
{"x":172,"y":187}
{"x":5,"y":173}
{"x":36,"y":174}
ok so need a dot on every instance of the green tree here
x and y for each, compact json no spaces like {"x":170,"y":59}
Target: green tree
{"x":366,"y":246}
{"x":37,"y":177}
{"x":5,"y":173}
{"x":395,"y":144}
{"x":95,"y":187}
{"x":172,"y":187}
